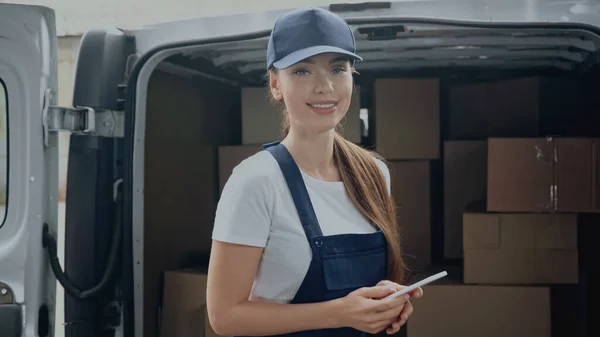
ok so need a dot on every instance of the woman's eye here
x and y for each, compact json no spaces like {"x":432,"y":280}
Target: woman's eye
{"x":301,"y":72}
{"x":339,"y":70}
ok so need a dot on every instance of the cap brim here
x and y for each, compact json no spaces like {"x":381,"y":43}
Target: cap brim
{"x":302,"y":54}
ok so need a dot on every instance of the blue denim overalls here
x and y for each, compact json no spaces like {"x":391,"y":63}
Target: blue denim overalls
{"x":340,"y":263}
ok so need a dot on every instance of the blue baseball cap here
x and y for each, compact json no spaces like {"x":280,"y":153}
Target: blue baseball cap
{"x":304,"y":33}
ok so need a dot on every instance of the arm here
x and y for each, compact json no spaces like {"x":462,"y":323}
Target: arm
{"x":241,"y":230}
{"x":231,"y":273}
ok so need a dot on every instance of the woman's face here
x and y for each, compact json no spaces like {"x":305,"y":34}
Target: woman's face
{"x":316,"y":92}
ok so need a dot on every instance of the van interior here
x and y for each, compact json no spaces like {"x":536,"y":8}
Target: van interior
{"x":549,"y":80}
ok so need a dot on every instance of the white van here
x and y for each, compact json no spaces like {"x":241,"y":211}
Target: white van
{"x":151,"y":105}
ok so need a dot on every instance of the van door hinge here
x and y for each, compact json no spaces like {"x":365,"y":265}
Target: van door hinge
{"x":81,"y":120}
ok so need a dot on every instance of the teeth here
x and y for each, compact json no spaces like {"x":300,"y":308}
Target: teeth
{"x":323,"y":106}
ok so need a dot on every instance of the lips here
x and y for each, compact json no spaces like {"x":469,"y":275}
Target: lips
{"x":323,"y":107}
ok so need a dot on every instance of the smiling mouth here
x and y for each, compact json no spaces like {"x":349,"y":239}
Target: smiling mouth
{"x":322,"y":106}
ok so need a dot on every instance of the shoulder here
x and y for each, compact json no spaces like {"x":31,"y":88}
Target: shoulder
{"x":245,"y":207}
{"x":257,"y":170}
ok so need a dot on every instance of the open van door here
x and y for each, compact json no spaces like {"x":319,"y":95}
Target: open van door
{"x":28,"y":169}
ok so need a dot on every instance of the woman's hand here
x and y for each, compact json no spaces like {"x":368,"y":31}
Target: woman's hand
{"x":365,"y":310}
{"x":407,"y":309}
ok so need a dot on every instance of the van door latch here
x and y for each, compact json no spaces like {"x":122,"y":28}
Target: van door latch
{"x":81,"y":120}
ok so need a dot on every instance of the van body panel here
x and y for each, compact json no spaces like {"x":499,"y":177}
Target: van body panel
{"x":28,"y":70}
{"x":459,"y":11}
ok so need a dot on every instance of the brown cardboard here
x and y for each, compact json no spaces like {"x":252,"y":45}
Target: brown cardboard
{"x":578,"y":179}
{"x":407,"y":118}
{"x":262,"y":119}
{"x":543,"y":175}
{"x":230,"y":157}
{"x":465,"y":180}
{"x":184,"y":303}
{"x":410,"y":182}
{"x":510,"y":248}
{"x":504,"y":108}
{"x":475,"y":311}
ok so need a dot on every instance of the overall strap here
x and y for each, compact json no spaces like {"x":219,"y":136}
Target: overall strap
{"x":293,"y":178}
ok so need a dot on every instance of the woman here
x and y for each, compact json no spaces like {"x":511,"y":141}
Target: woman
{"x":305,"y":239}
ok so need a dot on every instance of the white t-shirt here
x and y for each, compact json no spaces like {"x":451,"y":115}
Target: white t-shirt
{"x":256,"y":209}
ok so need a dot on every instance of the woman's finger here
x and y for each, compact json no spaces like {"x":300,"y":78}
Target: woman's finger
{"x":406,"y":312}
{"x":392,"y":329}
{"x":388,"y":283}
{"x":417,"y":293}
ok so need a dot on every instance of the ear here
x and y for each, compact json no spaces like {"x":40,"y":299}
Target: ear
{"x":274,"y":86}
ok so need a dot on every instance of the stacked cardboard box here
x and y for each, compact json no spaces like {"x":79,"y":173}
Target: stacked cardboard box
{"x":500,"y":216}
{"x":519,"y":248}
{"x":524,"y":233}
{"x":407,"y":119}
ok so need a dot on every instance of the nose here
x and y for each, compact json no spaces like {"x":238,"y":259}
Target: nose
{"x":323,"y":83}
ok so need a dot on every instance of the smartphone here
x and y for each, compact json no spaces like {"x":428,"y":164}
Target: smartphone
{"x":417,"y":285}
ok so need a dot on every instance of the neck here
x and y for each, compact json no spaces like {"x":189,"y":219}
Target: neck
{"x":313,"y":153}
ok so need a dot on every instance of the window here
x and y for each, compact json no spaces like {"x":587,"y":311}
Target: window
{"x":3,"y":151}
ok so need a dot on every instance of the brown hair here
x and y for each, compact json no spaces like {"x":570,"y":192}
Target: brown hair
{"x":366,"y":186}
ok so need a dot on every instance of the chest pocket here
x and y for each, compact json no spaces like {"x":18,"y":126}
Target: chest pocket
{"x":354,"y":270}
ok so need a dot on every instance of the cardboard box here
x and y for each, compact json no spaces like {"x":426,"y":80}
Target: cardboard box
{"x":410,"y":182}
{"x":407,"y":118}
{"x":519,"y":248}
{"x":506,"y":108}
{"x":475,"y":311}
{"x":465,"y":181}
{"x":262,"y":119}
{"x":518,"y":107}
{"x":184,"y":304}
{"x":230,"y":157}
{"x":543,"y":175}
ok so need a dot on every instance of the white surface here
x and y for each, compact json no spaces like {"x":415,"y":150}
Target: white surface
{"x":256,"y":209}
{"x":75,"y":17}
{"x":417,"y":284}
{"x":60,"y":292}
